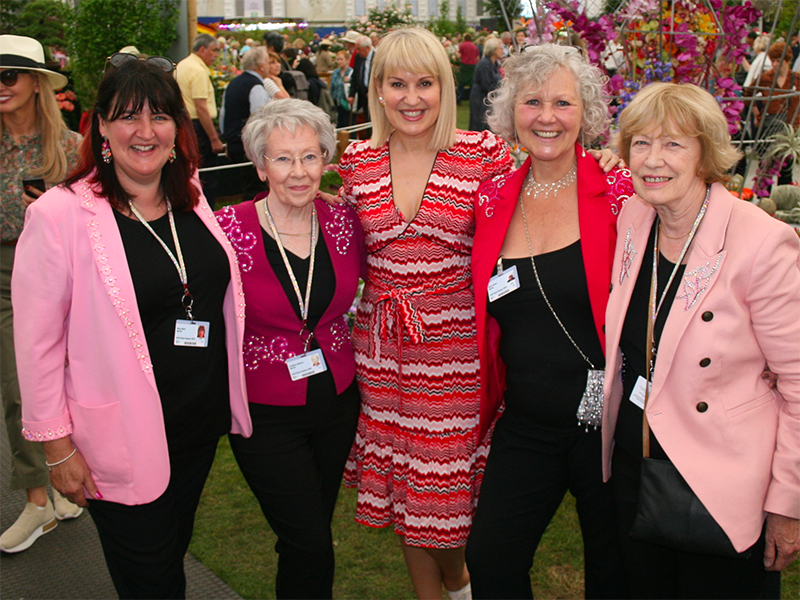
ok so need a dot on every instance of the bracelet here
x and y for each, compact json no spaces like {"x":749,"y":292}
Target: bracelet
{"x":63,"y":460}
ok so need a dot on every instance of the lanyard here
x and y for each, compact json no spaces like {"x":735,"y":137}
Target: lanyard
{"x":180,"y":266}
{"x":653,"y":309}
{"x":305,"y":334}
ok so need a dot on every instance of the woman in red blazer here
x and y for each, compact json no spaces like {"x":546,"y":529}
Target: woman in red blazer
{"x":541,"y":268}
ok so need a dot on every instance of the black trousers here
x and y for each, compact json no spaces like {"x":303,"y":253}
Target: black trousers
{"x":144,"y":545}
{"x":294,"y":463}
{"x":528,"y":472}
{"x":208,"y":158}
{"x":657,"y":572}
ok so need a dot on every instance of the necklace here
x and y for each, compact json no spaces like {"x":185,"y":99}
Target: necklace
{"x":534,"y":188}
{"x":295,"y":234}
{"x":590,"y":409}
{"x":669,"y":237}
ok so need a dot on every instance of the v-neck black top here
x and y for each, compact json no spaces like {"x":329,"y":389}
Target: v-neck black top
{"x":323,"y":287}
{"x":192,"y":382}
{"x":545,"y":374}
{"x":633,"y":343}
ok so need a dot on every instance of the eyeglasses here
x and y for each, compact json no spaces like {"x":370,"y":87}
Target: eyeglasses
{"x":120,"y":58}
{"x":9,"y":77}
{"x":286,"y":163}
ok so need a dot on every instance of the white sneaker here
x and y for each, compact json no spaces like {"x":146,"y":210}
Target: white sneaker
{"x":64,"y":508}
{"x":32,"y":523}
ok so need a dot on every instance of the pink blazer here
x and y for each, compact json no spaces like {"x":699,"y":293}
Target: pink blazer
{"x":739,"y":307}
{"x":600,"y":197}
{"x":272,"y":327}
{"x":82,"y":357}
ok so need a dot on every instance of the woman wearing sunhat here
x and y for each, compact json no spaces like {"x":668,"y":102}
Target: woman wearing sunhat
{"x":34,"y":145}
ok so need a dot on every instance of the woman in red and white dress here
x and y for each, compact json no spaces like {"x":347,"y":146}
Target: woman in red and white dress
{"x":418,"y":456}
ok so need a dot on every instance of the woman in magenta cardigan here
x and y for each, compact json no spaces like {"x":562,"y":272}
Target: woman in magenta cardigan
{"x":541,"y":266}
{"x":301,"y":259}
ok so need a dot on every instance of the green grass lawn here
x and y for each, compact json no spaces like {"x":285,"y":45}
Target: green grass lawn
{"x":232,"y":538}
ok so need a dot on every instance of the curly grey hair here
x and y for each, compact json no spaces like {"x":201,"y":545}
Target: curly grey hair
{"x":530,"y":69}
{"x":288,"y":114}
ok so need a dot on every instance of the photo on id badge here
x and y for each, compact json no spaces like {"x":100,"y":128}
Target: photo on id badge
{"x":191,"y":333}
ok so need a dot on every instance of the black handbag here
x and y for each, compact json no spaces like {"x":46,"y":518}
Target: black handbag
{"x":670,"y":514}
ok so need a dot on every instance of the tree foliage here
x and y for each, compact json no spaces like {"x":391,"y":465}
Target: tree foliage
{"x":45,"y":21}
{"x":9,"y":11}
{"x":513,"y":11}
{"x":101,"y":27}
{"x":442,"y":26}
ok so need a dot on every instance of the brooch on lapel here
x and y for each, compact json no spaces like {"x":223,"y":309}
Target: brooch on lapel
{"x":628,"y":252}
{"x":696,"y":282}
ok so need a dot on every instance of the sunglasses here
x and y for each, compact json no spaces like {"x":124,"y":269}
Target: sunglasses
{"x":120,"y":58}
{"x":570,"y":49}
{"x":9,"y":77}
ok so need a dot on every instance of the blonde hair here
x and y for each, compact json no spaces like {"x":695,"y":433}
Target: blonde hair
{"x":682,"y":110}
{"x":418,"y":51}
{"x":51,"y":128}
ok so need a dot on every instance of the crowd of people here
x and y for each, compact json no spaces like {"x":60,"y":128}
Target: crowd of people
{"x":565,"y":325}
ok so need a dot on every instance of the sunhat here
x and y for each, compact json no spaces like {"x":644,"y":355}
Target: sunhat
{"x":20,"y":52}
{"x":351,"y":37}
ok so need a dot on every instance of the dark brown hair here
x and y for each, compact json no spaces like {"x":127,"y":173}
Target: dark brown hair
{"x":124,"y":90}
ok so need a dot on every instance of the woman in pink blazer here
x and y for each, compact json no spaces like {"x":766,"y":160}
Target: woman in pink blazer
{"x":727,"y":280}
{"x":116,"y":273}
{"x":301,"y":259}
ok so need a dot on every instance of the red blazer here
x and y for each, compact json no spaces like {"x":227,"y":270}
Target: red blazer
{"x":271,"y":326}
{"x":600,"y":198}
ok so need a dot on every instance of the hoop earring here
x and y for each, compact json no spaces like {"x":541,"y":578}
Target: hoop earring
{"x":105,"y":150}
{"x":173,"y":155}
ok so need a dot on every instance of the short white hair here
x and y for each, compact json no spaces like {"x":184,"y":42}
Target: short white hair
{"x":289,"y":115}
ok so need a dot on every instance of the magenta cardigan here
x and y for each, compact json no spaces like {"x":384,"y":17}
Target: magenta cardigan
{"x":271,"y":324}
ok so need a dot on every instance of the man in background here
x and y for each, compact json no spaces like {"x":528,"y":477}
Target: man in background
{"x":194,"y":80}
{"x":359,"y":84}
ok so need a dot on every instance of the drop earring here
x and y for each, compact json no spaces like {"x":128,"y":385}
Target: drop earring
{"x":583,"y":145}
{"x":105,"y":150}
{"x":173,"y":155}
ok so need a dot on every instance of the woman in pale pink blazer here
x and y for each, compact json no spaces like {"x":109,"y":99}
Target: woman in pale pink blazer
{"x":727,"y":279}
{"x":116,"y":271}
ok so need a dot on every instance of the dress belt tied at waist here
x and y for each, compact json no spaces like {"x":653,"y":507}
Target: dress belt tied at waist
{"x":398,"y":303}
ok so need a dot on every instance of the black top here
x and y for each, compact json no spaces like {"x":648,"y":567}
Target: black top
{"x":633,"y":343}
{"x":323,"y":287}
{"x":545,"y":374}
{"x":192,"y":382}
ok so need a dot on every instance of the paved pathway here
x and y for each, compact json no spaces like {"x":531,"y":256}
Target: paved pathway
{"x":68,"y":563}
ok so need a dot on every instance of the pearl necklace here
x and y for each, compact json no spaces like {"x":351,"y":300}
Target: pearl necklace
{"x":534,"y":188}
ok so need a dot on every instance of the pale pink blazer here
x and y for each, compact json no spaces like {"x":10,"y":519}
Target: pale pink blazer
{"x":739,"y":307}
{"x":82,"y":358}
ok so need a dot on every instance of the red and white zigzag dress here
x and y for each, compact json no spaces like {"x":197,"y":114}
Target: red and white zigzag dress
{"x":417,"y":460}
